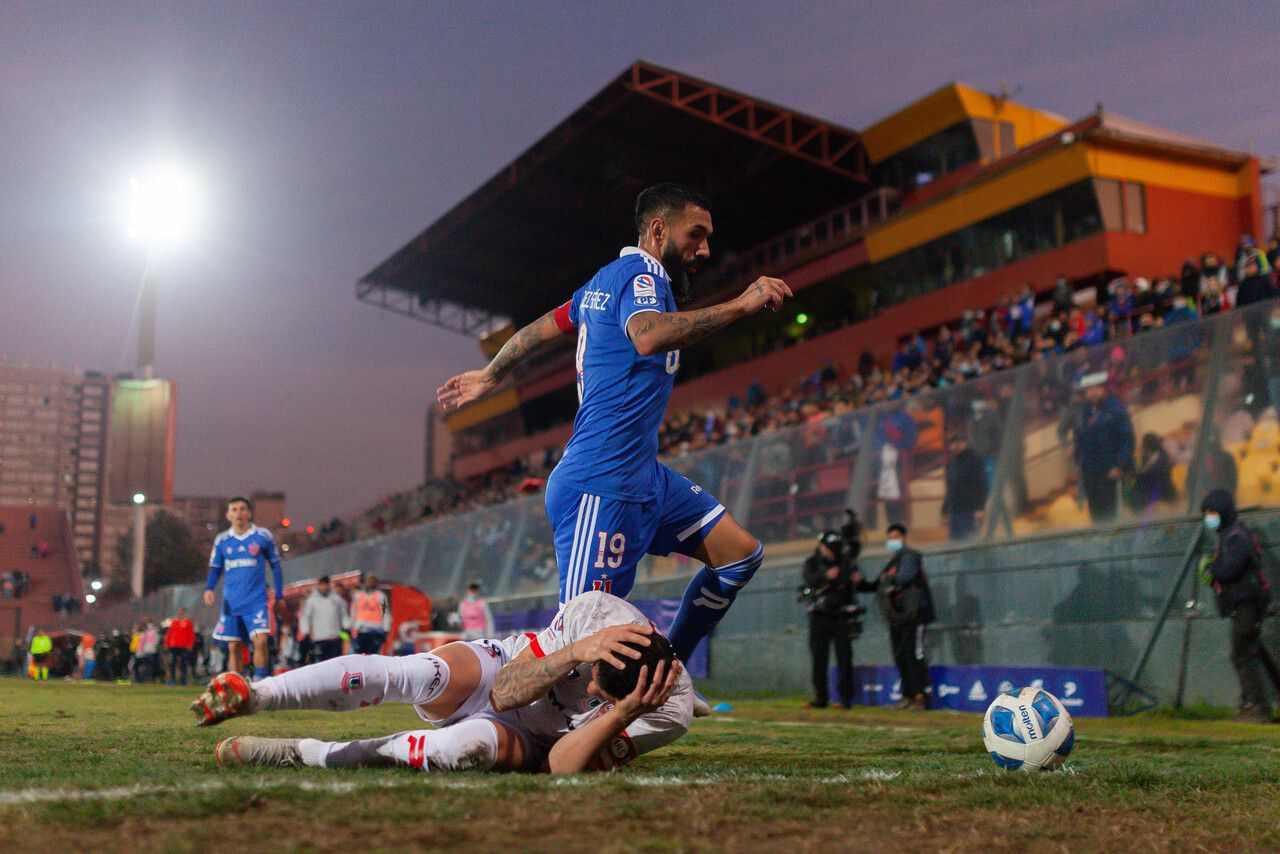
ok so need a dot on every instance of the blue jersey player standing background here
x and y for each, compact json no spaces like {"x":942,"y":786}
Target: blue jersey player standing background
{"x":240,"y":555}
{"x":609,"y":500}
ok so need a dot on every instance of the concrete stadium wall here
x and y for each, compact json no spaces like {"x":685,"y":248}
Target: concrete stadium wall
{"x":1086,"y":599}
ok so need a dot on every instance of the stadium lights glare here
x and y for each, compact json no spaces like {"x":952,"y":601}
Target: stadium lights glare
{"x":162,"y":205}
{"x":90,"y":598}
{"x":96,"y":584}
{"x":139,"y":498}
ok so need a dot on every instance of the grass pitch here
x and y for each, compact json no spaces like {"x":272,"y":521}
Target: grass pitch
{"x":105,"y":768}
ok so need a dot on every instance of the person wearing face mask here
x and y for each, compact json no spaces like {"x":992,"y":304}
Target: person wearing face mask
{"x":474,"y":614}
{"x":1239,"y":581}
{"x":907,"y":604}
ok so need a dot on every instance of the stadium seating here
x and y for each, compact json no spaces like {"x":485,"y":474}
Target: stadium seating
{"x":803,"y":469}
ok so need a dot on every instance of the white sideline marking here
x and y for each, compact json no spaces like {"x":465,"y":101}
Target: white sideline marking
{"x":48,"y":796}
{"x":842,"y":725}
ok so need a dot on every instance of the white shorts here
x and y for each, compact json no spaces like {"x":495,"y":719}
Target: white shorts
{"x":492,"y":655}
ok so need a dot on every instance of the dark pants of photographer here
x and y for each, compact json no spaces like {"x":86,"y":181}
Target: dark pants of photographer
{"x":825,"y":630}
{"x":907,"y":640}
{"x":1246,"y":651}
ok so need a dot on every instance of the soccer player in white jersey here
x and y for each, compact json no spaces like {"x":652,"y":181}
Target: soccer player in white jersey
{"x":609,"y":500}
{"x":592,"y":691}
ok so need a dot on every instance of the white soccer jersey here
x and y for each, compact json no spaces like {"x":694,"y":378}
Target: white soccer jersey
{"x":568,"y":705}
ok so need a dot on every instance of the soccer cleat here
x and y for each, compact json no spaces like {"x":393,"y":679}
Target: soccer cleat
{"x":227,"y":696}
{"x":701,"y":708}
{"x":252,"y":750}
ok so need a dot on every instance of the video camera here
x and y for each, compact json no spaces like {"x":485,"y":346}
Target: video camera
{"x":851,"y":536}
{"x":846,"y":545}
{"x":852,"y":612}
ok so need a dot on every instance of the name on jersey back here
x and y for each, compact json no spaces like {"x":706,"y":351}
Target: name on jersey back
{"x":594,"y":301}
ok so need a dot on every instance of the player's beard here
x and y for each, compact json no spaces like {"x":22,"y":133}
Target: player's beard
{"x":673,"y":263}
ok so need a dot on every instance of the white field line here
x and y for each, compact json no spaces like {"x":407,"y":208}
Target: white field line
{"x":851,"y":727}
{"x":46,"y":796}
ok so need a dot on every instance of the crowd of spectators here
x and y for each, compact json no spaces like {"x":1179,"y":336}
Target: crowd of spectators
{"x":172,"y":651}
{"x":1018,"y":329}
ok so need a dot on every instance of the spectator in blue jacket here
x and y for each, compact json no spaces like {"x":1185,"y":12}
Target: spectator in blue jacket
{"x":1095,"y":331}
{"x":1121,"y":307}
{"x":1026,"y":310}
{"x":1104,"y":446}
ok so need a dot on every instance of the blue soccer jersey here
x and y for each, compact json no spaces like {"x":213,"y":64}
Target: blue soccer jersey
{"x":243,"y":559}
{"x":622,"y":394}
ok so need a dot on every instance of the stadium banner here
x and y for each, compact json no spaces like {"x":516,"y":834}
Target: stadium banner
{"x":972,"y":687}
{"x":662,"y":612}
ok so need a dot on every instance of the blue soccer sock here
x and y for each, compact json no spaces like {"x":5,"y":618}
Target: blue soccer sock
{"x":708,"y":596}
{"x":260,"y":673}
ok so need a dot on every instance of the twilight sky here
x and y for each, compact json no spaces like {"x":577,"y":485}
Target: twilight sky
{"x":326,"y":135}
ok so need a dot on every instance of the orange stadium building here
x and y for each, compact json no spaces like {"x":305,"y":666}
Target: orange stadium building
{"x":950,"y":203}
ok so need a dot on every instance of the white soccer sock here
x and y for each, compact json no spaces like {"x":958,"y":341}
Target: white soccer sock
{"x":353,"y":682}
{"x":466,"y":745}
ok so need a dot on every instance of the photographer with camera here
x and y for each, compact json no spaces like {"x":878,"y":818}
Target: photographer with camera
{"x":907,"y":605}
{"x":834,"y":616}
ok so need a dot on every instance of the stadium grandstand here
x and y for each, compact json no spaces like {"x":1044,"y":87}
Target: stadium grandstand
{"x":951,"y":203}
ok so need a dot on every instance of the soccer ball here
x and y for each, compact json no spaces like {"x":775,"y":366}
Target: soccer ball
{"x":1028,"y":729}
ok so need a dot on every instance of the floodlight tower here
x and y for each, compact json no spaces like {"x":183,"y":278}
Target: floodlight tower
{"x":162,"y":207}
{"x":161,"y":214}
{"x":139,"y":543}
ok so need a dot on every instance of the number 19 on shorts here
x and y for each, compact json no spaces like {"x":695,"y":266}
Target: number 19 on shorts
{"x":617,"y":547}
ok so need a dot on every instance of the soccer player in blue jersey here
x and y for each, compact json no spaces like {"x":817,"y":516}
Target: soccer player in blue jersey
{"x":609,"y":500}
{"x":241,"y":554}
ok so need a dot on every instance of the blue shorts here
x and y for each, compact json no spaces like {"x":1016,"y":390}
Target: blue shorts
{"x":599,"y":541}
{"x":242,"y":624}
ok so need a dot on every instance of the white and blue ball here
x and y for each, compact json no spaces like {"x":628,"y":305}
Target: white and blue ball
{"x":1028,"y":729}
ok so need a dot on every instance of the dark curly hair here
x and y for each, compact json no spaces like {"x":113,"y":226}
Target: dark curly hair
{"x":619,"y":683}
{"x":666,"y":200}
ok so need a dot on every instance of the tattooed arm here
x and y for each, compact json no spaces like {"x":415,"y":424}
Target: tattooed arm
{"x":473,"y":385}
{"x":527,"y":677}
{"x":659,"y":332}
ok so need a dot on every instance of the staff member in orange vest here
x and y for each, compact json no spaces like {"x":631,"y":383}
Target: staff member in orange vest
{"x":475,"y":616}
{"x":370,"y":616}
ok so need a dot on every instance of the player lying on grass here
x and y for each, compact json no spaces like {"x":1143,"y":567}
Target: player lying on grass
{"x":592,"y":691}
